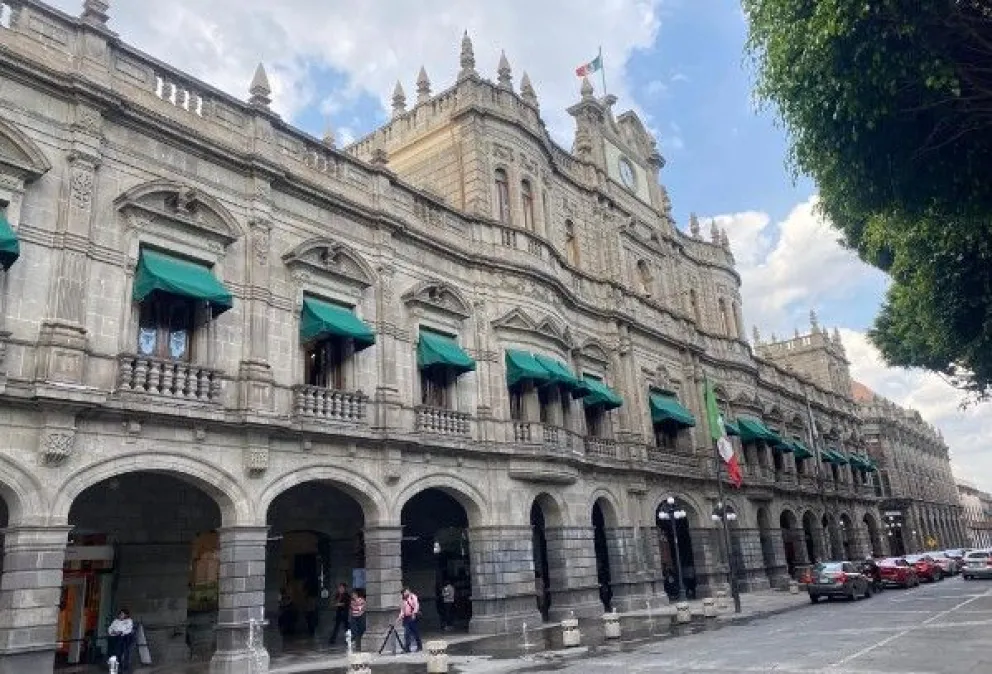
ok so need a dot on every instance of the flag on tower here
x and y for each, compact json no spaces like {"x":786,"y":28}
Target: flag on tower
{"x":588,"y":68}
{"x":719,"y":434}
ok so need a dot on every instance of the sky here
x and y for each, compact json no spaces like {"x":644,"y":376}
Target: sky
{"x":679,"y":63}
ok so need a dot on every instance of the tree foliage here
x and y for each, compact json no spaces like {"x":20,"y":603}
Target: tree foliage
{"x":888,"y":104}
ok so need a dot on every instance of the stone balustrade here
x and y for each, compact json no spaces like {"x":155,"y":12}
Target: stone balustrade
{"x":323,"y":403}
{"x":602,"y":447}
{"x":443,"y":422}
{"x":169,"y":378}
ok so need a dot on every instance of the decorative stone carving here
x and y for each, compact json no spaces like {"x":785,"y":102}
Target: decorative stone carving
{"x":256,"y":460}
{"x":57,"y":446}
{"x":178,"y":205}
{"x":326,"y":256}
{"x":261,"y":236}
{"x":438,"y":295}
{"x":81,"y":186}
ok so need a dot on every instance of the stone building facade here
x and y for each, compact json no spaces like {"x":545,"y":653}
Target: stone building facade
{"x":241,"y":365}
{"x":919,"y":497}
{"x":976,"y":509}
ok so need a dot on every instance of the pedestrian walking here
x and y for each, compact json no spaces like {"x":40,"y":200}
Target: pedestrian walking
{"x":409,"y":617}
{"x":342,"y":598}
{"x":448,"y":600}
{"x":357,"y":622}
{"x":121,"y":638}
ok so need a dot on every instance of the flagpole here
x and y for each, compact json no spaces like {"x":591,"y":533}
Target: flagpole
{"x":814,"y":437}
{"x":602,"y":70}
{"x":718,"y":463}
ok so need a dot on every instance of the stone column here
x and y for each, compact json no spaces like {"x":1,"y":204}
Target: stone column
{"x":241,"y":599}
{"x":749,"y":553}
{"x":572,"y":572}
{"x":709,"y":560}
{"x":630,"y":584}
{"x":773,"y":556}
{"x":502,"y":579}
{"x":254,"y":371}
{"x":383,"y":579}
{"x":29,"y":597}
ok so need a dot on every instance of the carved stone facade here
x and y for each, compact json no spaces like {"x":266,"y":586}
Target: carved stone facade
{"x":976,"y":507}
{"x":462,"y":218}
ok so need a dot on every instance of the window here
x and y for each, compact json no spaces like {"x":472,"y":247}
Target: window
{"x":165,"y":327}
{"x":545,"y":401}
{"x":516,"y":404}
{"x":725,"y":318}
{"x":435,"y":387}
{"x":571,"y":244}
{"x":594,"y":421}
{"x":566,"y":409}
{"x":527,"y":201}
{"x":694,"y":305}
{"x":324,"y":364}
{"x":644,"y":278}
{"x":779,"y":461}
{"x":502,"y":197}
{"x":666,"y":435}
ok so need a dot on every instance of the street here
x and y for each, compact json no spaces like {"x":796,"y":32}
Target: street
{"x":933,"y":629}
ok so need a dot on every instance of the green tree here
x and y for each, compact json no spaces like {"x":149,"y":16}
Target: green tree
{"x":888,"y":104}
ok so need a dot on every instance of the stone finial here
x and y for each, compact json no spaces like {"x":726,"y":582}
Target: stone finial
{"x":527,"y":91}
{"x":714,"y":232}
{"x":586,"y":89}
{"x":724,"y":239}
{"x":379,"y":156}
{"x":328,"y":138}
{"x":399,"y":99}
{"x":467,"y":58}
{"x":423,"y":86}
{"x":260,"y":93}
{"x":756,"y":333}
{"x":694,"y":225}
{"x":504,"y":76}
{"x":837,"y":335}
{"x":814,"y":322}
{"x":95,"y":12}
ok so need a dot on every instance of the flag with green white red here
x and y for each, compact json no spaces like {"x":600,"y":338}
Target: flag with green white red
{"x":588,"y":68}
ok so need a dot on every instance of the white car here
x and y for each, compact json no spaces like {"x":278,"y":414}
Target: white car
{"x":977,"y":564}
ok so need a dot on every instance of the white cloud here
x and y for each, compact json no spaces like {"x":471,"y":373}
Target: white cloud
{"x":376,"y":43}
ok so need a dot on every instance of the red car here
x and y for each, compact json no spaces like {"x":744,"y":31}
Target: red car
{"x":926,"y":567}
{"x":897,"y":571}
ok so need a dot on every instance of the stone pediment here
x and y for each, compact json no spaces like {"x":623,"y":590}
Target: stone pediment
{"x":438,"y":295}
{"x":515,"y":319}
{"x":19,"y":155}
{"x":593,"y":350}
{"x":326,"y":256}
{"x":636,"y":136}
{"x":179,"y":205}
{"x":551,"y":328}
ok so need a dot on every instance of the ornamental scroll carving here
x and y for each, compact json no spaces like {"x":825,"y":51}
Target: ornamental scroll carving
{"x":261,"y":235}
{"x":81,"y":186}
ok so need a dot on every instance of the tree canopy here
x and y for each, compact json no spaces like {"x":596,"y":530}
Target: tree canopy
{"x":888,"y":104}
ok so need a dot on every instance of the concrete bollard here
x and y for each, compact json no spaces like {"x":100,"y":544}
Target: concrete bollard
{"x":682,"y":613}
{"x":709,"y":608}
{"x":360,"y":663}
{"x":721,"y":600}
{"x":611,"y":625}
{"x":437,"y":657}
{"x":570,"y":635}
{"x":793,"y":587}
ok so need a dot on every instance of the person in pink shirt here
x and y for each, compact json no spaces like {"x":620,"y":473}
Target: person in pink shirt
{"x":409,"y":615}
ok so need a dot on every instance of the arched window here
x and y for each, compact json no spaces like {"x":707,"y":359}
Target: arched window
{"x":725,"y":318}
{"x":527,"y":200}
{"x":644,"y":278}
{"x":571,"y":244}
{"x":694,"y":305}
{"x":502,"y":197}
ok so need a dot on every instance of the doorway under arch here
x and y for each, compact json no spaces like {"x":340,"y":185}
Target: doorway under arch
{"x":543,"y":511}
{"x":847,"y":534}
{"x":829,"y":527}
{"x":809,"y":537}
{"x":874,"y":539}
{"x":683,"y":553}
{"x":791,"y":543}
{"x":768,"y":557}
{"x":599,"y":523}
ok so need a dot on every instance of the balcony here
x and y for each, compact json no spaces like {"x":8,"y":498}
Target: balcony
{"x":601,"y":447}
{"x":443,"y":422}
{"x":314,"y":402}
{"x":551,"y":439}
{"x":168,"y":378}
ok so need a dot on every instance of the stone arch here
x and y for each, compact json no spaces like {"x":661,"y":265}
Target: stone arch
{"x":694,"y":510}
{"x":735,"y":507}
{"x":368,"y":495}
{"x":474,"y":502}
{"x":594,"y":350}
{"x":21,"y":492}
{"x":20,"y":155}
{"x":328,"y":256}
{"x":608,"y":504}
{"x":555,"y":510}
{"x":235,"y":505}
{"x":182,"y":203}
{"x":874,"y":535}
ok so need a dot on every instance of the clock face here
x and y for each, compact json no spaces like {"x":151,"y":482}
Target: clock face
{"x":627,"y":175}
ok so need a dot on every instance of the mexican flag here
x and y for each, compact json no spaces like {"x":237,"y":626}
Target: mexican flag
{"x":719,"y":434}
{"x":588,"y":68}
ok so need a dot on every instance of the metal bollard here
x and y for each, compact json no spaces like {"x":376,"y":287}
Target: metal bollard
{"x":721,"y":600}
{"x":682,"y":613}
{"x":709,"y":608}
{"x":570,"y":635}
{"x":611,"y":625}
{"x":793,"y":587}
{"x":437,"y":657}
{"x":359,"y":663}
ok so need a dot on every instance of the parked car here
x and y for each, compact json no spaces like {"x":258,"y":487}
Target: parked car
{"x":948,"y":565}
{"x":897,"y":571}
{"x":838,"y":579}
{"x":977,"y":564}
{"x":957,"y":553}
{"x":926,"y":568}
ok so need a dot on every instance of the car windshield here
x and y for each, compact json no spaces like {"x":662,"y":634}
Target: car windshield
{"x":915,"y":558}
{"x":978,"y":555}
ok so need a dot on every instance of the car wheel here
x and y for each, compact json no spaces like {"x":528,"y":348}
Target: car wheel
{"x":867,"y":591}
{"x":938,"y":576}
{"x":814,"y":599}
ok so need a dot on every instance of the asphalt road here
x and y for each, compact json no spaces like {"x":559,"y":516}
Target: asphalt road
{"x":938,"y":628}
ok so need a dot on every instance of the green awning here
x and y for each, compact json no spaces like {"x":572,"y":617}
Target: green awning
{"x":827,"y":456}
{"x":599,"y":393}
{"x":801,"y":450}
{"x":667,"y":408}
{"x":437,"y":350}
{"x":10,"y":247}
{"x":784,"y":446}
{"x":320,"y":319}
{"x":753,"y":430}
{"x":731,"y":428}
{"x":559,"y":372}
{"x":840,"y":457}
{"x":521,"y":365}
{"x":159,"y":272}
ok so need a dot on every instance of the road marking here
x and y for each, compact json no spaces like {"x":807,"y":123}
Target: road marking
{"x":902,"y":633}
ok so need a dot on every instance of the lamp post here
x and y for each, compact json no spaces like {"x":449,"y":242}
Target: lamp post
{"x":668,"y":512}
{"x":724,"y":514}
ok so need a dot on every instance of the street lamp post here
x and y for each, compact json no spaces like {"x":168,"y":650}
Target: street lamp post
{"x":668,"y":512}
{"x":725,"y":514}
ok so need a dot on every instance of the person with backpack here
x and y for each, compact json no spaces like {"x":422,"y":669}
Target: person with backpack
{"x":357,"y":622}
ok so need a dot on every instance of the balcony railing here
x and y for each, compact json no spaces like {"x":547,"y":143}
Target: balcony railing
{"x":168,"y":378}
{"x":601,"y":447}
{"x":315,"y":402}
{"x":443,"y":422}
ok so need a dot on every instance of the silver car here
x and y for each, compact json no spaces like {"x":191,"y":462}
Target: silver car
{"x":977,"y":564}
